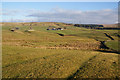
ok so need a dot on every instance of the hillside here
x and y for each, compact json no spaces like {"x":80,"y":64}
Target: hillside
{"x":29,"y":50}
{"x":110,"y":25}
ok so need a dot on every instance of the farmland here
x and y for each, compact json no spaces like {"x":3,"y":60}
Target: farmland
{"x":42,"y":53}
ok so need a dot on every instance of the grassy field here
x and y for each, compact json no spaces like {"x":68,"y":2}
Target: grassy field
{"x":45,"y":54}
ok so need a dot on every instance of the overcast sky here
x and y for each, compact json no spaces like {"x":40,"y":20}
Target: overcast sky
{"x":69,"y":12}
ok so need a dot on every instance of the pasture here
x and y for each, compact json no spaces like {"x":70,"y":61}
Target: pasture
{"x":45,"y":54}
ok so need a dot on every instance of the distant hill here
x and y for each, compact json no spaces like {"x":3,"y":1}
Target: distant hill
{"x":110,"y":25}
{"x":53,"y":23}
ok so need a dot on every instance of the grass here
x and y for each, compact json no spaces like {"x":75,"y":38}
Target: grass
{"x":101,"y":66}
{"x":45,"y":54}
{"x":47,"y":63}
{"x":113,"y":45}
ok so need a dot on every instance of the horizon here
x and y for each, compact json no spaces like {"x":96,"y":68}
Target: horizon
{"x":59,"y":22}
{"x":66,"y":12}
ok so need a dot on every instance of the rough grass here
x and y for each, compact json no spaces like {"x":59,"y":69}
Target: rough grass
{"x":45,"y":54}
{"x":101,"y":66}
{"x":43,"y":63}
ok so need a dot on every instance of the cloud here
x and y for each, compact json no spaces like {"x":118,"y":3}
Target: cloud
{"x":106,"y":16}
{"x":20,"y":20}
{"x":8,"y":12}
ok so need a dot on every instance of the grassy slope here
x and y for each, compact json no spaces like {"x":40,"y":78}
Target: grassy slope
{"x":45,"y":54}
{"x":102,"y":65}
{"x":44,"y":63}
{"x":113,"y":45}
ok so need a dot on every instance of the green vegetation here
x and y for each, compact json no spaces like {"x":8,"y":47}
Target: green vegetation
{"x":112,"y":44}
{"x":45,"y":54}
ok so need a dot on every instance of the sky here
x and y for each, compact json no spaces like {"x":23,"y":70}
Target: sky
{"x":68,"y":12}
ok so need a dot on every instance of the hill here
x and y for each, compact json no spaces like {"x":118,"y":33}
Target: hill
{"x":42,"y":53}
{"x":110,"y":25}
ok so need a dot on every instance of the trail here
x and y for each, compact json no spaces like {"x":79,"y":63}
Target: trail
{"x":71,"y":77}
{"x":97,"y":67}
